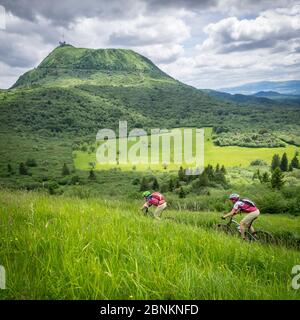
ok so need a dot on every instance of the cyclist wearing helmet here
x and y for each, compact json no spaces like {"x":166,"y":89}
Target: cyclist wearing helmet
{"x":245,"y":206}
{"x":156,"y":199}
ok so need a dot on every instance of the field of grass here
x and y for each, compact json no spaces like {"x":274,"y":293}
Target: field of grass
{"x":229,"y":156}
{"x":67,"y":248}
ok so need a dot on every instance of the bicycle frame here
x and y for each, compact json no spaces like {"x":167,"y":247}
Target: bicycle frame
{"x":236,"y":224}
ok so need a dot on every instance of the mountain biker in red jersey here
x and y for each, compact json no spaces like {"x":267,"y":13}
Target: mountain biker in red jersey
{"x":245,"y":206}
{"x":156,"y":199}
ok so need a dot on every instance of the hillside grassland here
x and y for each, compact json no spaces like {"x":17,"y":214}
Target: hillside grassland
{"x":67,"y":248}
{"x":230,"y":156}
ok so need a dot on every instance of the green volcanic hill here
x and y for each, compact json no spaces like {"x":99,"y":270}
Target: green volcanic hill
{"x":69,"y":62}
{"x":78,"y":91}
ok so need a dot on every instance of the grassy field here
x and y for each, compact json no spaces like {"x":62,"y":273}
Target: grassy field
{"x":230,"y":156}
{"x":67,"y":248}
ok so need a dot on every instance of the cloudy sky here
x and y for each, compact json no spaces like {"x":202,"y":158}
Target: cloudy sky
{"x":205,"y":43}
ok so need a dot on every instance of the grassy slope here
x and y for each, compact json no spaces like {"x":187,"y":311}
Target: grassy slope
{"x":49,"y":153}
{"x":229,"y":156}
{"x":68,"y":248}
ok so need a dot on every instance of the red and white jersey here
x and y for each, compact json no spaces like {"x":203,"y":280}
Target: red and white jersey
{"x":245,"y":205}
{"x":156,"y":199}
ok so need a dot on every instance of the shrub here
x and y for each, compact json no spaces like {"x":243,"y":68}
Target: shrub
{"x":22,"y":169}
{"x":31,"y":163}
{"x":258,"y":162}
{"x":92,"y":175}
{"x":65,"y":170}
{"x":75,"y":180}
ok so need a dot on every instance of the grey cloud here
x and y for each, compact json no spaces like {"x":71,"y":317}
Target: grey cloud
{"x":219,"y":5}
{"x":128,"y":40}
{"x":246,"y":46}
{"x":186,"y":4}
{"x":64,"y":12}
{"x":16,"y":56}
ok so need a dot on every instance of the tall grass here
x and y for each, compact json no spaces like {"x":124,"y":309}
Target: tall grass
{"x":69,"y":248}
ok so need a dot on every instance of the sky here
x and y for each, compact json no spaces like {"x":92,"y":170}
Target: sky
{"x":204,"y":43}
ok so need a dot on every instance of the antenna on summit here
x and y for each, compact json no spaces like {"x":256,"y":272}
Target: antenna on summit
{"x":63,"y":42}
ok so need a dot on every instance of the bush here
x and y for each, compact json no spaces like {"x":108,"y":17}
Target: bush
{"x":22,"y":169}
{"x":65,"y":170}
{"x":136,"y":181}
{"x":75,"y":180}
{"x":258,"y":162}
{"x":31,"y":163}
{"x":272,"y":202}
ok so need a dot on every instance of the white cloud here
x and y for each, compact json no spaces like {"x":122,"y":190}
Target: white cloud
{"x":147,"y":30}
{"x":244,"y":50}
{"x":162,"y":53}
{"x":267,"y":30}
{"x":233,"y":49}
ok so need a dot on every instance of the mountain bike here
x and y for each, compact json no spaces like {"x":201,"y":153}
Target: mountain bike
{"x":232,"y":227}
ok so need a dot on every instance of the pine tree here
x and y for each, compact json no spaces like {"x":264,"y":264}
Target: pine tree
{"x":155,"y":185}
{"x":257,"y":175}
{"x":295,"y":162}
{"x":223,"y":170}
{"x":277,"y":181}
{"x":265,"y":178}
{"x":9,"y":168}
{"x":210,"y":172}
{"x":181,"y":193}
{"x":144,"y":184}
{"x":290,"y":167}
{"x":181,"y":174}
{"x":275,"y":162}
{"x":217,"y":168}
{"x":284,"y":164}
{"x":92,"y":175}
{"x":65,"y":170}
{"x":171,"y":185}
{"x":203,"y":180}
{"x":22,"y":169}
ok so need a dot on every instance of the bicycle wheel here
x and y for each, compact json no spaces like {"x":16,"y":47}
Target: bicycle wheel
{"x":226,"y":229}
{"x":264,"y":237}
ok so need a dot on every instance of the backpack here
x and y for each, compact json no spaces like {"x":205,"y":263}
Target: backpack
{"x":158,"y":196}
{"x":249,"y":202}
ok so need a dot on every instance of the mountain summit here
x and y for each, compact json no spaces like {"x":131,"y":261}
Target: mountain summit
{"x":70,"y":62}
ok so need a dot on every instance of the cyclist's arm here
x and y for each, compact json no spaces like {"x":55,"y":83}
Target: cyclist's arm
{"x":231,"y":213}
{"x":146,"y":206}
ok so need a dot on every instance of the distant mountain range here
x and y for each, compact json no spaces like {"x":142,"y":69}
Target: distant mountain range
{"x":275,"y":95}
{"x":261,"y":98}
{"x":291,"y":87}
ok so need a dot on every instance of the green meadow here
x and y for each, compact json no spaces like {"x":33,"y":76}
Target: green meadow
{"x":68,"y":248}
{"x":230,"y":156}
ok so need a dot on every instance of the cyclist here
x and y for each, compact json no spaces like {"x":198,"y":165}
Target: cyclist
{"x":246,"y":206}
{"x":156,"y":199}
